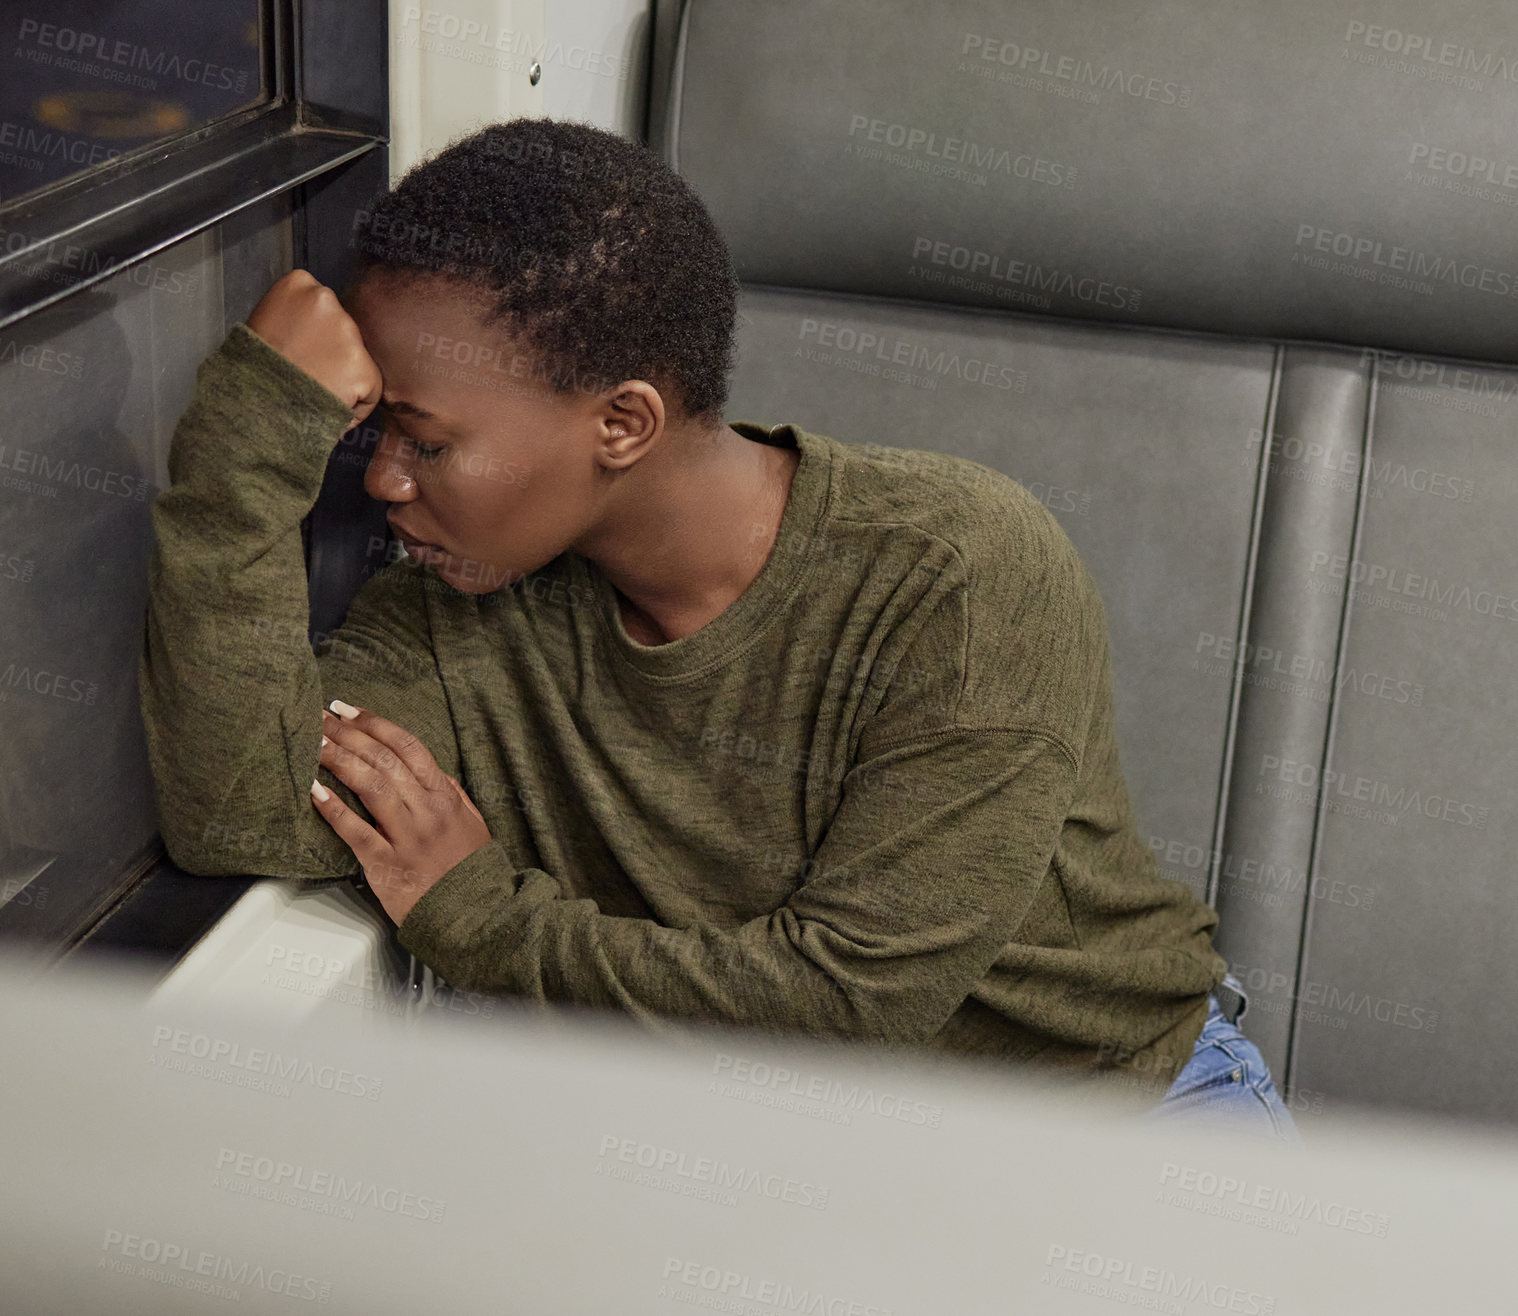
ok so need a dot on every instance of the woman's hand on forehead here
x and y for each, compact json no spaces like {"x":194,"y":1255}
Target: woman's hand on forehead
{"x":305,"y":322}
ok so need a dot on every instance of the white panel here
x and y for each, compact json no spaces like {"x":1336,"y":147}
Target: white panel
{"x":595,"y":62}
{"x":457,"y":66}
{"x":295,"y":952}
{"x":167,"y":1160}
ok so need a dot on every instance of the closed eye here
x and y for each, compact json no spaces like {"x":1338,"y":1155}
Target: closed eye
{"x":424,"y":450}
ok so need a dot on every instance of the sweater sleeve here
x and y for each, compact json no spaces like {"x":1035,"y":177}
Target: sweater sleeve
{"x":230,"y":689}
{"x":926,"y":872}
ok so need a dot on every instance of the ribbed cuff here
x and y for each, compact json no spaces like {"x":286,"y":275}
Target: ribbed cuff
{"x":442,"y":927}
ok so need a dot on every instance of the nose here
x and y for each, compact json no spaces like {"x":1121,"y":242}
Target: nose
{"x":388,"y":477}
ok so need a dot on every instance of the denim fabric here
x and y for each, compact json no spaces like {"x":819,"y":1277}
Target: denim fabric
{"x":1226,"y":1082}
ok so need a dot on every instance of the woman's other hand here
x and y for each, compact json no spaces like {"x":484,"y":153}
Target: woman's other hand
{"x":427,"y":823}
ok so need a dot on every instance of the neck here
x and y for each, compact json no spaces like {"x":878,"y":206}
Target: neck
{"x":704,"y":523}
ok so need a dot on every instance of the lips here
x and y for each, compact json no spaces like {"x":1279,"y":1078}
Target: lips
{"x":417,"y":548}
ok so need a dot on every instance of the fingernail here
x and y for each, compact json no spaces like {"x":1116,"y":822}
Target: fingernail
{"x":320,"y":791}
{"x":325,"y":741}
{"x":342,"y":709}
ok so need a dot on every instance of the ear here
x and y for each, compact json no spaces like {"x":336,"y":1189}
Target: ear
{"x":632,"y":419}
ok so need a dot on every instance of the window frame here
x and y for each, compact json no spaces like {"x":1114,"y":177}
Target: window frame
{"x":323,"y":113}
{"x":323,"y":134}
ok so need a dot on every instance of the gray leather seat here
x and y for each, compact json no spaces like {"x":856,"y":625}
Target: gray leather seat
{"x":1108,"y":250}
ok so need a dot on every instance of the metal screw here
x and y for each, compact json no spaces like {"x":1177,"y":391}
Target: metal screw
{"x":534,"y":73}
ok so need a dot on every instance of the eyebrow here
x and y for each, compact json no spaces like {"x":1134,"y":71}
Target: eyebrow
{"x":399,"y":408}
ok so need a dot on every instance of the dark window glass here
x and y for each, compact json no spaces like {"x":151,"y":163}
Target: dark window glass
{"x":84,"y":81}
{"x":90,"y":391}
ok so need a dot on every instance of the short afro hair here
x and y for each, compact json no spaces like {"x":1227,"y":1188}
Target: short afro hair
{"x":598,"y":257}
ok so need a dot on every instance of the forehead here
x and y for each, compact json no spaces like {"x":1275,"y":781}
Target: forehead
{"x":405,"y":316}
{"x":430,"y":340}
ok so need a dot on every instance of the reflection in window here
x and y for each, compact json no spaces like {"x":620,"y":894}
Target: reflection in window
{"x":83,"y":81}
{"x":90,"y":391}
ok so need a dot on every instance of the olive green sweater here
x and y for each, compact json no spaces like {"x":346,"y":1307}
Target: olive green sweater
{"x":878,"y":798}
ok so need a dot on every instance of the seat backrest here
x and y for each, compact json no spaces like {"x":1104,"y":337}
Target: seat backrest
{"x":1232,"y":292}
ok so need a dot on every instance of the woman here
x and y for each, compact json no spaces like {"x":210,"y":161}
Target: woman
{"x":699,"y":721}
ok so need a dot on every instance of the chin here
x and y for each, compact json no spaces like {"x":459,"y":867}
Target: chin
{"x":479,"y":578}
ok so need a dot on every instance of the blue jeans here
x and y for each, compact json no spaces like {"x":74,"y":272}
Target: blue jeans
{"x":1226,"y":1082}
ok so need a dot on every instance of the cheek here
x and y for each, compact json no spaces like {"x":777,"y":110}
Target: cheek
{"x":476,"y":498}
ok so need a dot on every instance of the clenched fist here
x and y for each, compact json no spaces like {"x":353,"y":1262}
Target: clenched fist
{"x":304,"y":322}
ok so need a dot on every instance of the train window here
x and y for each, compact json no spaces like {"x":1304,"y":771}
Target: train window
{"x":83,"y":82}
{"x":159,"y":168}
{"x":92,"y":387}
